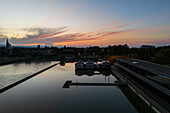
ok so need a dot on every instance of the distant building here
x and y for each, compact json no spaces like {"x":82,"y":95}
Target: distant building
{"x":8,"y":45}
{"x":3,"y":51}
{"x":37,"y":51}
{"x":8,"y":48}
{"x":148,"y":46}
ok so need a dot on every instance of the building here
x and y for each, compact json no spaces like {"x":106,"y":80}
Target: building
{"x":36,"y":51}
{"x":8,"y":45}
{"x":154,"y":76}
{"x":148,"y":47}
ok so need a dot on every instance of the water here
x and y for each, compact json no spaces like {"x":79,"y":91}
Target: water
{"x":44,"y":94}
{"x":17,"y":71}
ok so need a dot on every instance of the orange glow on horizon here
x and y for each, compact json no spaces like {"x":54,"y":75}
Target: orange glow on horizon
{"x":34,"y":44}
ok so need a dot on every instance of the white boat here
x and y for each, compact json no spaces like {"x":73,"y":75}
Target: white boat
{"x":104,"y":64}
{"x":89,"y":64}
{"x":79,"y":65}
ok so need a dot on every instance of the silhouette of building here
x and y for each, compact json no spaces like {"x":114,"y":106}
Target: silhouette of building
{"x":148,"y":46}
{"x":8,"y":45}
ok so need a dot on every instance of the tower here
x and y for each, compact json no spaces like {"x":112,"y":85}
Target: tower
{"x":8,"y":45}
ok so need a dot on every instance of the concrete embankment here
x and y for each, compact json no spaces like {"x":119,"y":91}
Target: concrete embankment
{"x":26,"y":78}
{"x":134,"y":87}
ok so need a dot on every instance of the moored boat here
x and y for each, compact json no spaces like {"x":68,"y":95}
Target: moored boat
{"x":89,"y":64}
{"x":105,"y":65}
{"x":79,"y":65}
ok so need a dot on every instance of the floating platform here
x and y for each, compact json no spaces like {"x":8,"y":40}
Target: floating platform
{"x":70,"y":83}
{"x":67,"y":84}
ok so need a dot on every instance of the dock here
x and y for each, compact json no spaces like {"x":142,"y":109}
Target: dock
{"x":69,"y":83}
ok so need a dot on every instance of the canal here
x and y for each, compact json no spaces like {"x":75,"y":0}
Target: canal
{"x":44,"y":93}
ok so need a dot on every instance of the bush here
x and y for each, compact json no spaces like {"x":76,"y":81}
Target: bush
{"x":162,"y":57}
{"x":112,"y":59}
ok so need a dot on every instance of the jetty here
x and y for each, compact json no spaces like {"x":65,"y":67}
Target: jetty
{"x":69,"y":83}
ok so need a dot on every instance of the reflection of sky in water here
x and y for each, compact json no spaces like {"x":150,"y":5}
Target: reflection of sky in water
{"x":44,"y":94}
{"x":16,"y":71}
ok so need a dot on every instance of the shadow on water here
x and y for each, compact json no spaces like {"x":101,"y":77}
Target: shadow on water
{"x":136,"y":101}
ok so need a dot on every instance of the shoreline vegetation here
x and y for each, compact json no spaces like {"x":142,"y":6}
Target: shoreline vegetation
{"x":159,"y":55}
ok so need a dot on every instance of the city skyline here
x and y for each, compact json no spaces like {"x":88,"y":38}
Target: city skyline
{"x":85,"y":22}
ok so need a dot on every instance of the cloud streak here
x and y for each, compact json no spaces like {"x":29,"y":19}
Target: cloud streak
{"x":68,"y":10}
{"x":140,"y":20}
{"x":61,"y":36}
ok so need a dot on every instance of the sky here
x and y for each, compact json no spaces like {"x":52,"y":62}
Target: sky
{"x":85,"y":22}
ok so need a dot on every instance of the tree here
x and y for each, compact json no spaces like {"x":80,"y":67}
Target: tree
{"x":163,"y":56}
{"x":38,"y":47}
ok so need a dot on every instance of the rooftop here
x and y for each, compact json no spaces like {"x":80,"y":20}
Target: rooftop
{"x":153,"y":67}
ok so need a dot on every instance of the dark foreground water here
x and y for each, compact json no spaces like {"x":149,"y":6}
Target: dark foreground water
{"x":44,"y":94}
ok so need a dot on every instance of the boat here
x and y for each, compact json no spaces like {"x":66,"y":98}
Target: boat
{"x":89,"y":65}
{"x":79,"y":65}
{"x":62,"y":63}
{"x":104,"y":65}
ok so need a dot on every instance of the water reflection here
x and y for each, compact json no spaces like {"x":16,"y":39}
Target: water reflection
{"x":105,"y":73}
{"x":84,"y":72}
{"x":17,"y":71}
{"x":137,"y":102}
{"x":45,"y":91}
{"x":92,"y":72}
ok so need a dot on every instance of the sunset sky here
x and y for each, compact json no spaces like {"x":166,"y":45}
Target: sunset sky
{"x":85,"y":22}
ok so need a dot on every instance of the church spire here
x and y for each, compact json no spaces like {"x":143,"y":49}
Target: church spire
{"x":7,"y":44}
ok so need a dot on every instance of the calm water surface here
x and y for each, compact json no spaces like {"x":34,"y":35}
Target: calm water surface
{"x":44,"y":94}
{"x":17,"y":71}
